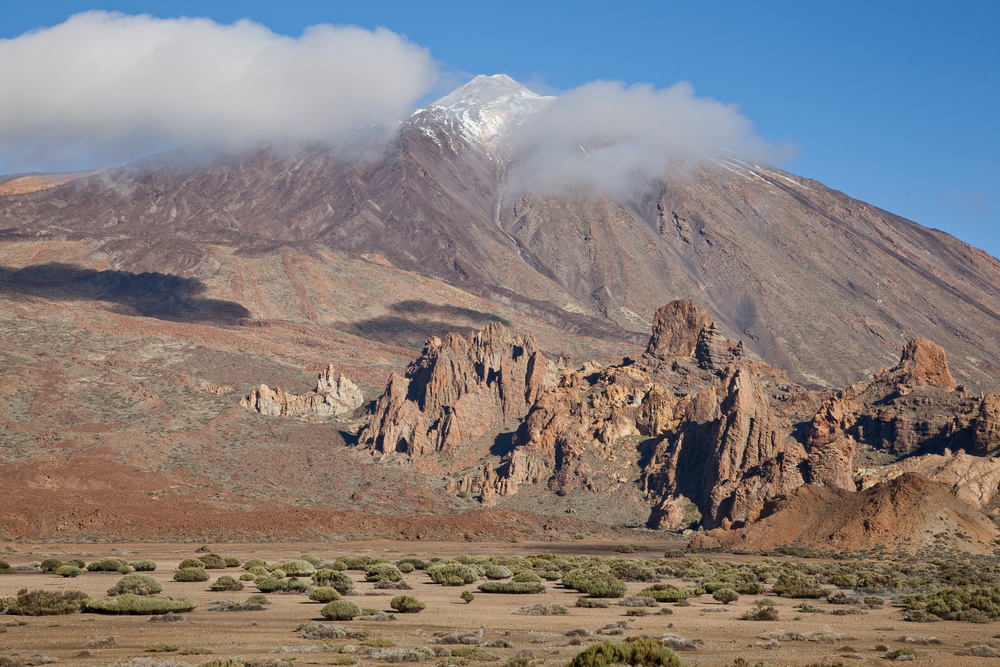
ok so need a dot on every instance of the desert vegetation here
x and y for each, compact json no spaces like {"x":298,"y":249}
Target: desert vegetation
{"x":629,"y":607}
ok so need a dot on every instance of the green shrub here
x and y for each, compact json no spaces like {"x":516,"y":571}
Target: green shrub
{"x":296,"y":568}
{"x":48,"y":603}
{"x":725,"y":595}
{"x":341,"y":610}
{"x":453,"y":574}
{"x":77,"y":562}
{"x":595,"y":583}
{"x":141,"y":605}
{"x":226,"y":583}
{"x":634,"y":651}
{"x":232,"y":561}
{"x":498,"y":572}
{"x":527,"y":576}
{"x":163,"y":648}
{"x":69,"y":571}
{"x":110,"y":564}
{"x":666,"y":593}
{"x":324,"y":594}
{"x":468,"y":596}
{"x":254,"y":562}
{"x":334,"y":579}
{"x":633,"y":570}
{"x":188,"y":563}
{"x":191,"y":574}
{"x":407,"y":604}
{"x":592,"y":603}
{"x":415,"y":562}
{"x":511,"y":587}
{"x":50,"y":565}
{"x":405,"y":568}
{"x":312,"y":560}
{"x":273,"y":585}
{"x":353,"y":562}
{"x":136,"y":584}
{"x":213,"y":562}
{"x":383,"y":572}
{"x":145,"y":566}
{"x":795,"y":584}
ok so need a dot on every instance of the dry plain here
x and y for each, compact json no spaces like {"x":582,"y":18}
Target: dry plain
{"x":205,"y":635}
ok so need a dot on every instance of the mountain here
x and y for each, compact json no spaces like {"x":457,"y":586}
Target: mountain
{"x":821,"y":285}
{"x":142,"y":302}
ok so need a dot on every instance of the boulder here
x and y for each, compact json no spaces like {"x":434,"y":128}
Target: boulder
{"x":676,"y":330}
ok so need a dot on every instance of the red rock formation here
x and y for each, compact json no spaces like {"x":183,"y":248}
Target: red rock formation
{"x":457,"y":390}
{"x":676,"y":327}
{"x":986,"y":433}
{"x":923,"y":363}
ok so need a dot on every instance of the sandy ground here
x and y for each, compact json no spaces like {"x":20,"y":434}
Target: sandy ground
{"x":263,"y":633}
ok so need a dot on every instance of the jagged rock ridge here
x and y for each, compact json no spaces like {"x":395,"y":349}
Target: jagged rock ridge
{"x":719,"y":430}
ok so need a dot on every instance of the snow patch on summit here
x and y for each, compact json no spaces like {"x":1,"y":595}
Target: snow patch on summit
{"x":489,"y":107}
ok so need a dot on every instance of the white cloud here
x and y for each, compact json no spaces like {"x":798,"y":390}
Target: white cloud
{"x":607,"y":138}
{"x":107,"y":87}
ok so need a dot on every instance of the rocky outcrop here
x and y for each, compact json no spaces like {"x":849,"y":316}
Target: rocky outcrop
{"x":457,"y":391}
{"x":973,"y":479}
{"x":986,"y":432}
{"x":909,"y":512}
{"x":716,"y":352}
{"x":334,"y":395}
{"x":677,"y":327}
{"x":730,"y":454}
{"x":923,"y":363}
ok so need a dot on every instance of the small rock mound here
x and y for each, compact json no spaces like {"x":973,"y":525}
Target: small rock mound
{"x":923,"y":363}
{"x":334,"y":395}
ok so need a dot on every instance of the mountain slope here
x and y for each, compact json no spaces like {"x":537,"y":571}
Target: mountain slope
{"x":784,"y":264}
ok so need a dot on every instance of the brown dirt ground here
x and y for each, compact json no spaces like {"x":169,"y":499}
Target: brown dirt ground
{"x":259,"y":634}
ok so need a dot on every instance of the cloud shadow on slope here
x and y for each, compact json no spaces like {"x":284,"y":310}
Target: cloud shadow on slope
{"x":157,"y":295}
{"x":413,"y":322}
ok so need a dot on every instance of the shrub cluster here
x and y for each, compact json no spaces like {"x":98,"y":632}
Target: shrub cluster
{"x":47,"y":603}
{"x":141,"y":605}
{"x":634,"y":651}
{"x":407,"y":604}
{"x":136,"y":584}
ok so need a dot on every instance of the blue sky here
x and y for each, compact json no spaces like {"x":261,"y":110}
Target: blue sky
{"x":895,"y":103}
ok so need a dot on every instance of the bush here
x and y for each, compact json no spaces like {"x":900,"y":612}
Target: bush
{"x":763,"y":610}
{"x":527,"y":576}
{"x":136,"y":584}
{"x":725,"y":595}
{"x":795,"y":584}
{"x":188,"y":563}
{"x":407,"y":604}
{"x":312,"y":560}
{"x":453,"y":574}
{"x":145,"y":566}
{"x":341,"y":610}
{"x":405,"y":568}
{"x":468,"y":596}
{"x":254,"y":562}
{"x":69,"y":571}
{"x":415,"y":562}
{"x":334,"y":579}
{"x":297,"y":568}
{"x":110,"y":565}
{"x":232,"y":561}
{"x":497,"y":572}
{"x":666,"y":593}
{"x":324,"y":594}
{"x":141,"y":605}
{"x":226,"y":583}
{"x":383,"y":572}
{"x":595,"y":583}
{"x":292,"y":585}
{"x":191,"y":574}
{"x":48,"y":603}
{"x":635,"y":651}
{"x":50,"y":565}
{"x":212,"y":562}
{"x":511,"y":587}
{"x":77,"y":562}
{"x":352,"y":562}
{"x":592,"y":603}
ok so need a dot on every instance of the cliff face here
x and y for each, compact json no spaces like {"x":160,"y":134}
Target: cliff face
{"x":456,"y":391}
